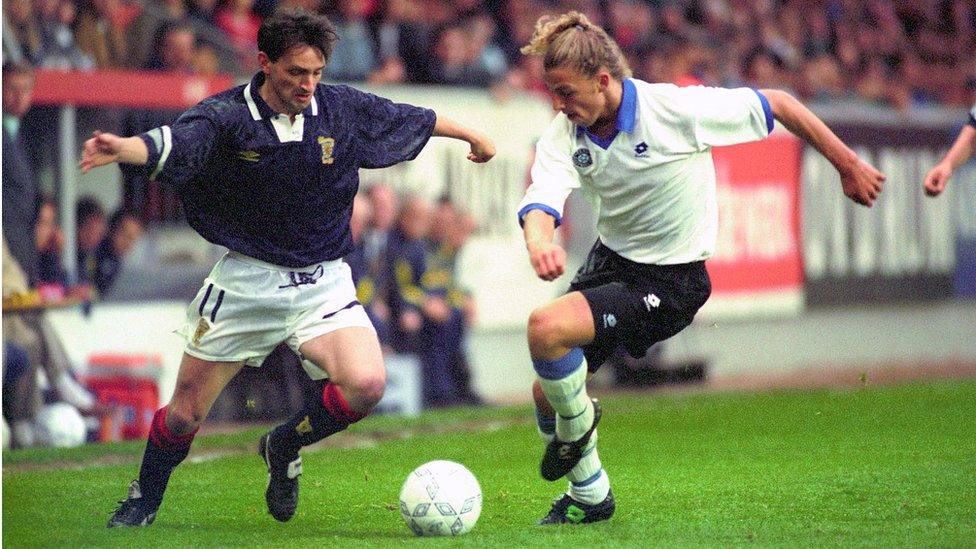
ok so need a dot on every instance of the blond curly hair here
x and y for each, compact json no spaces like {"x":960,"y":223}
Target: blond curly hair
{"x":572,"y":40}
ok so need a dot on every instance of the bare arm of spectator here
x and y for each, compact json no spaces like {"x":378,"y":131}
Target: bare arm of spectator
{"x":862,"y":183}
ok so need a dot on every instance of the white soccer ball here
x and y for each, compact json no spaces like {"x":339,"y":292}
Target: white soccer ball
{"x":440,"y":498}
{"x":60,"y":425}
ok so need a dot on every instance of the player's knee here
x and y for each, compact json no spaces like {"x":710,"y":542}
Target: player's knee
{"x":543,"y":332}
{"x":181,"y":420}
{"x":365,"y":392}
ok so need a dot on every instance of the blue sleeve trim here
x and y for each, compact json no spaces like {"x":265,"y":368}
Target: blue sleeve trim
{"x":539,"y":206}
{"x":767,"y":110}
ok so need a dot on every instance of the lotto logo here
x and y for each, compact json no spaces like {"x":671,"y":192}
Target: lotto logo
{"x":651,"y":300}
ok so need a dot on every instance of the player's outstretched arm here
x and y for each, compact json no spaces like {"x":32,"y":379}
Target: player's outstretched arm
{"x":962,"y":149}
{"x":862,"y":183}
{"x":547,"y":258}
{"x":106,"y":148}
{"x":482,"y":148}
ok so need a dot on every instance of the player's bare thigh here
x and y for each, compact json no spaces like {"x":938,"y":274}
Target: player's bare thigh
{"x":198,"y":384}
{"x":556,"y":328}
{"x":353,"y":359}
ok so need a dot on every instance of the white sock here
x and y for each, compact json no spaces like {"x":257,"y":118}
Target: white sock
{"x":568,"y":396}
{"x":593,"y":492}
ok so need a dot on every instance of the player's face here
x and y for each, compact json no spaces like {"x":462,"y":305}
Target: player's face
{"x":581,"y":98}
{"x":291,"y":79}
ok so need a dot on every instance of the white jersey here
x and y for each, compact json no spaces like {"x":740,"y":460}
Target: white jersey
{"x":653,"y":183}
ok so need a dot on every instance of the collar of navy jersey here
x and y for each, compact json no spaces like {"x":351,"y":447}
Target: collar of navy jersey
{"x":626,"y":116}
{"x":259,"y":107}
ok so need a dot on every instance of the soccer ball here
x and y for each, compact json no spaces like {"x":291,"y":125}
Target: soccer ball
{"x":60,"y":425}
{"x":440,"y":498}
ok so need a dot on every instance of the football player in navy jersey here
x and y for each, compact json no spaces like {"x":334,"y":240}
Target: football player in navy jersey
{"x":269,"y":171}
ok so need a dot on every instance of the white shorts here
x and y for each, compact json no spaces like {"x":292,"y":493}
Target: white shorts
{"x":246,"y":307}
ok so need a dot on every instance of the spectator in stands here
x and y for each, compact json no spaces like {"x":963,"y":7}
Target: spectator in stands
{"x":101,"y":31}
{"x":406,"y":258}
{"x":378,"y":279}
{"x":19,"y":391}
{"x":443,"y":355}
{"x":21,"y":196}
{"x":32,"y":331}
{"x":404,"y":40}
{"x":454,"y":63}
{"x":367,"y":274}
{"x":92,"y":227}
{"x":124,"y":231}
{"x":239,"y":22}
{"x":58,"y":47}
{"x":174,"y":50}
{"x":962,"y":150}
{"x":26,"y":32}
{"x":204,"y":12}
{"x":145,"y":33}
{"x":354,"y":57}
{"x":49,"y":240}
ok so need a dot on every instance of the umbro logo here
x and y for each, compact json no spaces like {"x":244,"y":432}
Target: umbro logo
{"x":248,"y":156}
{"x":651,"y":300}
{"x":640,"y":151}
{"x":609,"y":320}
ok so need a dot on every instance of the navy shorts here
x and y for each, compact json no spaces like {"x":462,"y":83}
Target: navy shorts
{"x":635,"y":305}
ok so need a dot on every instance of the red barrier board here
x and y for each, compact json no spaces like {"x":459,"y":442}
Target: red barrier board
{"x":758,"y":250}
{"x":136,"y":89}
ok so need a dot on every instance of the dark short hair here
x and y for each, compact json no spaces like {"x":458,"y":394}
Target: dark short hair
{"x":87,"y":208}
{"x":11,"y":68}
{"x":120,"y":215}
{"x":293,"y":27}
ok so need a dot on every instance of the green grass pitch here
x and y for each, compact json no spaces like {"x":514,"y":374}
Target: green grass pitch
{"x":877,"y":466}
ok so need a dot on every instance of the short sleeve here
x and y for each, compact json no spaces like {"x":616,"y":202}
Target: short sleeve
{"x":725,"y":116}
{"x":553,"y":175}
{"x":179,"y":152}
{"x":388,"y":132}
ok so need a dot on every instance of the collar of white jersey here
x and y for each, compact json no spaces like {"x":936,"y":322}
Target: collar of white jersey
{"x":627,"y":115}
{"x":259,"y":107}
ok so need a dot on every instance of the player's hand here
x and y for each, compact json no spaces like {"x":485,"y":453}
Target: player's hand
{"x":936,"y":179}
{"x":482,"y":149}
{"x":862,"y":183}
{"x":101,"y":149}
{"x":548,"y":260}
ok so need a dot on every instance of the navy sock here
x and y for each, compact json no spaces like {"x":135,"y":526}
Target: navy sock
{"x":164,"y":451}
{"x":318,"y":420}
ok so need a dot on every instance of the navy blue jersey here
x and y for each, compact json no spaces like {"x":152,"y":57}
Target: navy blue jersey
{"x":282,"y":192}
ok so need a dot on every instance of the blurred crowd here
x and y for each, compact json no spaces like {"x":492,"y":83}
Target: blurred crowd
{"x":405,"y":267}
{"x":898,"y":53}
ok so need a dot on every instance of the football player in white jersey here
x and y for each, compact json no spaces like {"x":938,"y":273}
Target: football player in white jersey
{"x":959,"y":153}
{"x":642,"y":152}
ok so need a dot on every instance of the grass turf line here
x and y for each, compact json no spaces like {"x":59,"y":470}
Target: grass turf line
{"x":892,"y":466}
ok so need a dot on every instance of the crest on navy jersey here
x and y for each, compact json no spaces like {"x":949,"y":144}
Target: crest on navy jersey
{"x":582,"y":158}
{"x":328,"y":145}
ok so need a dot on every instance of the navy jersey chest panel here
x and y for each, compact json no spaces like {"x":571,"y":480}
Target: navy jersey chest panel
{"x":284,"y":202}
